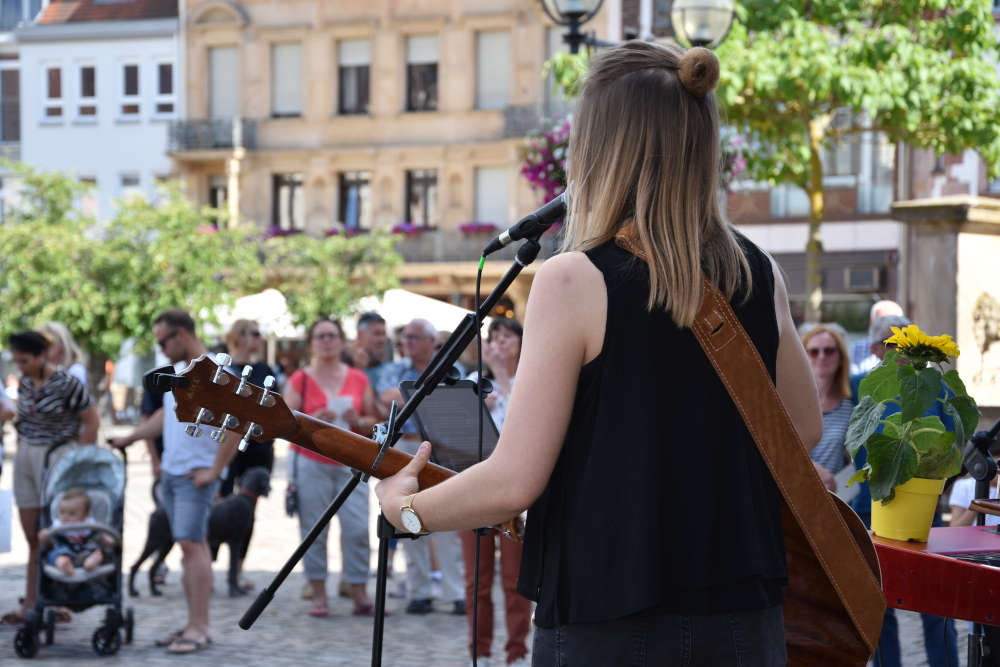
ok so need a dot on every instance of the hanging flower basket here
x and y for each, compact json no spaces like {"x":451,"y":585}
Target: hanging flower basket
{"x":477,"y":227}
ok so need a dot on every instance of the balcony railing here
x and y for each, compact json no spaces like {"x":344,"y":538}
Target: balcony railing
{"x":200,"y":135}
{"x":450,"y":245}
{"x":10,"y":150}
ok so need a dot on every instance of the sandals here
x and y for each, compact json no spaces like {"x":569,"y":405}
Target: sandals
{"x":169,"y":639}
{"x":319,"y":612}
{"x":367,"y":610}
{"x":184,"y":645}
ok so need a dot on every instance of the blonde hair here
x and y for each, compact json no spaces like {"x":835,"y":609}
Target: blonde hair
{"x":76,"y":494}
{"x":239,"y":328}
{"x":841,"y":379}
{"x":56,"y":332}
{"x":645,"y":149}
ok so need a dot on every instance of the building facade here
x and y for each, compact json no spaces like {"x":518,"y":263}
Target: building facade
{"x":320,"y":117}
{"x":99,"y":84}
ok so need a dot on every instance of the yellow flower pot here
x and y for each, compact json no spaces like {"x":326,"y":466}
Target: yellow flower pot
{"x":908,"y":516}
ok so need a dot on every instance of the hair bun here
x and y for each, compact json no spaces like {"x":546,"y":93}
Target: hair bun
{"x":699,"y":71}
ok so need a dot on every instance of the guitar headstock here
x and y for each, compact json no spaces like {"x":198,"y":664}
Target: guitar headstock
{"x":210,"y":396}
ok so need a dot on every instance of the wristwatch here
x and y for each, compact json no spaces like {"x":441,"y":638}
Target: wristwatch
{"x":409,"y":517}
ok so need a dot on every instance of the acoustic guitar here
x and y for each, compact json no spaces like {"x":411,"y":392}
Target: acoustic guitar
{"x":208,"y":396}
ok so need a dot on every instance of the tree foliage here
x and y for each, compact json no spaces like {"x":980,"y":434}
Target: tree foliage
{"x":921,"y":71}
{"x":327,"y":276}
{"x":107,"y":281}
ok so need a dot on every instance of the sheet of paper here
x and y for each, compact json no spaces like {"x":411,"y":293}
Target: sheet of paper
{"x":339,"y":405}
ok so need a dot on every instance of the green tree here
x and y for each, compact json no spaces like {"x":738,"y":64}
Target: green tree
{"x":921,"y":71}
{"x":107,"y":281}
{"x":327,"y":276}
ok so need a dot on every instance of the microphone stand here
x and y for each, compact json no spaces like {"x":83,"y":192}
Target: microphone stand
{"x":984,"y":641}
{"x":387,"y":435}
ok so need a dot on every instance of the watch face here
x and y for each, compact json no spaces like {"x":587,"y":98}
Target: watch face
{"x":411,"y":522}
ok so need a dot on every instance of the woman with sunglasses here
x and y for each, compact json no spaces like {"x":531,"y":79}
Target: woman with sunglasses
{"x":245,"y":344}
{"x":830,"y":366}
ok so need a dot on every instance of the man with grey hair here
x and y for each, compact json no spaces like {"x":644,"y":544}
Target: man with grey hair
{"x":940,"y":639}
{"x":862,"y":358}
{"x":419,"y":339}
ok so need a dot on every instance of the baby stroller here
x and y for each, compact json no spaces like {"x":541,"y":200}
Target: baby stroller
{"x":101,"y":473}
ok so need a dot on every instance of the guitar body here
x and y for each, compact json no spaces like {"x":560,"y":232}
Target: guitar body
{"x":818,"y":631}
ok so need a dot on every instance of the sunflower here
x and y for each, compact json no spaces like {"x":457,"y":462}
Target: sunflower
{"x":918,"y":346}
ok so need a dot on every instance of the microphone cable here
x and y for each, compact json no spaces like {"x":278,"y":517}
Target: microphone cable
{"x":479,"y":420}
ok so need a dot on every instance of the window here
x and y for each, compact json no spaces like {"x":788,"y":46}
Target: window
{"x":130,"y":90}
{"x":53,"y":109}
{"x":217,"y":195}
{"x":286,"y":80}
{"x":288,"y":202}
{"x":87,"y":108}
{"x":421,"y":197}
{"x":130,"y":180}
{"x":491,"y":195}
{"x":355,"y":200}
{"x":10,"y":105}
{"x":223,"y":82}
{"x":354,"y":59}
{"x":421,"y":73}
{"x":164,"y":89}
{"x":493,"y":64}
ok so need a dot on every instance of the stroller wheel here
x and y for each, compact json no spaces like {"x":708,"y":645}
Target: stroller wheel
{"x":106,"y":641}
{"x":50,"y":626}
{"x":26,"y":643}
{"x":129,"y":624}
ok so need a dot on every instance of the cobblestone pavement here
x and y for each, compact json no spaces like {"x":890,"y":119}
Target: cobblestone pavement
{"x":284,"y":634}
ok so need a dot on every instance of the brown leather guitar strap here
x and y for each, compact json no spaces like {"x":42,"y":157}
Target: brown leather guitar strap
{"x":811,"y":511}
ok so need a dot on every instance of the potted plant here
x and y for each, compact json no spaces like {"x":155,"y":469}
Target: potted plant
{"x":910,"y":451}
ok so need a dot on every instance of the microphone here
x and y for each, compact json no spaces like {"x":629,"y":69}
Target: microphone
{"x":531,"y":226}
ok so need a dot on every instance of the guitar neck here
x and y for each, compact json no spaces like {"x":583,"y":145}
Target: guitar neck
{"x":357,"y":451}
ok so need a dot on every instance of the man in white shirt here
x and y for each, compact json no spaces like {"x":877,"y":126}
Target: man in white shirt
{"x":191,"y":467}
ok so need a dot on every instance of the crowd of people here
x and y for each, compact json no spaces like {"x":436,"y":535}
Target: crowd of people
{"x":346,"y":383}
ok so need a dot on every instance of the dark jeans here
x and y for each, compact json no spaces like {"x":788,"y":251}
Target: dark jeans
{"x":745,"y":638}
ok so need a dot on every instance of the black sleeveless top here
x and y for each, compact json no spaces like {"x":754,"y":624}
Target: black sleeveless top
{"x":659,"y":500}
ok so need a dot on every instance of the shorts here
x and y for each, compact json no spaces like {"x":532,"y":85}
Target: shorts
{"x":187,"y":506}
{"x":29,"y":465}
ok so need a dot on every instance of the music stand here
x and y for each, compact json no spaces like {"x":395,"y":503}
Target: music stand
{"x":448,"y":419}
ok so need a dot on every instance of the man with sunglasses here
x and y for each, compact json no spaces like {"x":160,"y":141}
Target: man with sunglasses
{"x":190,"y":472}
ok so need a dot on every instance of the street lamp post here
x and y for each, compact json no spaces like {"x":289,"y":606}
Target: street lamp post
{"x":572,"y":14}
{"x":701,"y":22}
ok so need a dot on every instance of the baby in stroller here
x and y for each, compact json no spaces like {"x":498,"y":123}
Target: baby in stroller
{"x":72,"y":548}
{"x":80,"y":549}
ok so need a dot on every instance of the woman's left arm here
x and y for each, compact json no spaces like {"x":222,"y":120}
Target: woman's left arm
{"x":89,"y":421}
{"x":564,"y":328}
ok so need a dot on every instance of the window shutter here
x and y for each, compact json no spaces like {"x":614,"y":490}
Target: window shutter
{"x":286,"y":79}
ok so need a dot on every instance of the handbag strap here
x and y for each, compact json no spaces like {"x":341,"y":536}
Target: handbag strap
{"x":741,"y":369}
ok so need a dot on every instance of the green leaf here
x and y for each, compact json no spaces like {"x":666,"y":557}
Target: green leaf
{"x":955,"y":383}
{"x":961,"y":435}
{"x":941,"y":462}
{"x":860,"y":475}
{"x":928,"y":433}
{"x":968,"y":415}
{"x":918,"y":390}
{"x":865,"y":419}
{"x":893,"y":425}
{"x":881,"y":383}
{"x":892,"y":462}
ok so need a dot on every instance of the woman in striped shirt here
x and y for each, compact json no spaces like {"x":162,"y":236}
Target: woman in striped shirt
{"x":54,"y":412}
{"x":830,"y":366}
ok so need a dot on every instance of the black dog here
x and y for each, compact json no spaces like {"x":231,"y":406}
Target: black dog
{"x":230,"y":522}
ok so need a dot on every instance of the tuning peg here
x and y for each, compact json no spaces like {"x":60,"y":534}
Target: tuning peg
{"x":244,"y":387}
{"x":218,"y":436}
{"x":253,"y":431}
{"x":221,"y":377}
{"x":266,"y":399}
{"x":194,"y":430}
